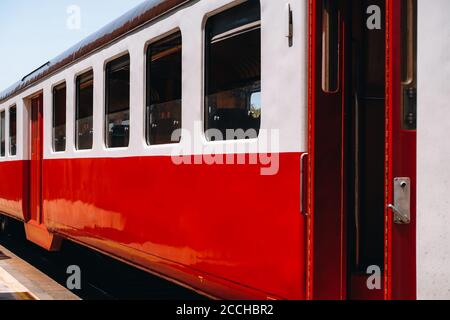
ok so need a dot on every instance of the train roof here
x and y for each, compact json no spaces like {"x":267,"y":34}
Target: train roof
{"x":133,"y":19}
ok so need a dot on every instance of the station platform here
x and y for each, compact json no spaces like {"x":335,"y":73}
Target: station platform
{"x":21,"y":281}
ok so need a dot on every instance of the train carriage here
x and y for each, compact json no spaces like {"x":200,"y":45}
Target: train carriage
{"x":254,"y":149}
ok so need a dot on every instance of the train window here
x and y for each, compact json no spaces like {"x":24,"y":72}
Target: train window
{"x":233,"y":73}
{"x":409,"y":40}
{"x":163,"y":112}
{"x":409,"y":64}
{"x":2,"y":134}
{"x":330,"y":46}
{"x":84,"y":111}
{"x":13,"y":131}
{"x":59,"y":118}
{"x":118,"y":102}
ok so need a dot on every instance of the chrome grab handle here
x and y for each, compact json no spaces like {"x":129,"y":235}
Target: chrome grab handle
{"x":357,"y":180}
{"x":402,"y":201}
{"x":302,"y":158}
{"x":400,"y":216}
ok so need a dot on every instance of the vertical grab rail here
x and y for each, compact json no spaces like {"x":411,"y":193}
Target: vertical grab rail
{"x":357,"y":183}
{"x":302,"y":183}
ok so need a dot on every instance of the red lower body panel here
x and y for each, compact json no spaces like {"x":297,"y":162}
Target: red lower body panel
{"x":13,"y":188}
{"x":225,"y":230}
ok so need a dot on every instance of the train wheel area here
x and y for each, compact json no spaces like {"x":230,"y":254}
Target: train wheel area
{"x":28,"y":272}
{"x":19,"y":280}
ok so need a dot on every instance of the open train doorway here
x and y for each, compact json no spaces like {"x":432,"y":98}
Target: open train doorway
{"x":364,"y":148}
{"x":355,"y":51}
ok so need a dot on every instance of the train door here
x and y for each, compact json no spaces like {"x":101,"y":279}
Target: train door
{"x":362,"y":145}
{"x":36,"y":159}
{"x":35,"y":228}
{"x":401,"y":64}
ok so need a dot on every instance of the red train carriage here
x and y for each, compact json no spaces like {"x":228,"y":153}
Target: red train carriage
{"x":245,"y":149}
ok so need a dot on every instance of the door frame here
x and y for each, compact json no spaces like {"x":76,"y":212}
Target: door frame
{"x":35,"y":225}
{"x":35,"y":197}
{"x":401,"y":150}
{"x":400,"y":249}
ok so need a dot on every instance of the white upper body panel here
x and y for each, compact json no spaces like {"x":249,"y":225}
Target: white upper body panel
{"x":283,"y":81}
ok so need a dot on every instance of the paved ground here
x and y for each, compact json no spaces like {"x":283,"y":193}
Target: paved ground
{"x":21,"y":281}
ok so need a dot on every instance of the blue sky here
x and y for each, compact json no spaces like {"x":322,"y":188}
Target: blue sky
{"x":34,"y":31}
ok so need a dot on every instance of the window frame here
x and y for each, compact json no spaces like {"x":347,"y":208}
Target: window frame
{"x":106,"y":100}
{"x":76,"y":102}
{"x":3,"y":128}
{"x":409,"y":26}
{"x":147,"y":76}
{"x":205,"y":65}
{"x":14,"y":106}
{"x":54,"y":88}
{"x":326,"y":70}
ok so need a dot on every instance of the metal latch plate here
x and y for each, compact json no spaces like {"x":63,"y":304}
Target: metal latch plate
{"x":402,"y":200}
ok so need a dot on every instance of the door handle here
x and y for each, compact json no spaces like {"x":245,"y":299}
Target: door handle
{"x":402,"y":201}
{"x":400,"y":217}
{"x":302,"y":183}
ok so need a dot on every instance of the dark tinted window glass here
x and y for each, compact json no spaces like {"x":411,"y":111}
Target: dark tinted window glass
{"x":59,"y":118}
{"x":118,"y":102}
{"x":409,"y":64}
{"x":330,"y":46}
{"x":163,"y":90}
{"x":233,"y":72}
{"x":13,"y":131}
{"x":2,"y":134}
{"x":84,"y":111}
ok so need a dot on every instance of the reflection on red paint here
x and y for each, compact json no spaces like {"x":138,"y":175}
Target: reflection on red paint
{"x":223,"y":229}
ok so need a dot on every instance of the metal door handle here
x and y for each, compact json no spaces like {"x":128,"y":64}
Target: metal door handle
{"x":402,"y":201}
{"x":400,"y":217}
{"x":302,"y":176}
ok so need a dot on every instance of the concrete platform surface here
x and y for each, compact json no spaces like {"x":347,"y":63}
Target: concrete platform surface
{"x":21,"y":281}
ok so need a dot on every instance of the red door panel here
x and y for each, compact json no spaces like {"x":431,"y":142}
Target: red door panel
{"x":36,"y":160}
{"x":332,"y":242}
{"x":326,"y":144}
{"x":401,"y":150}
